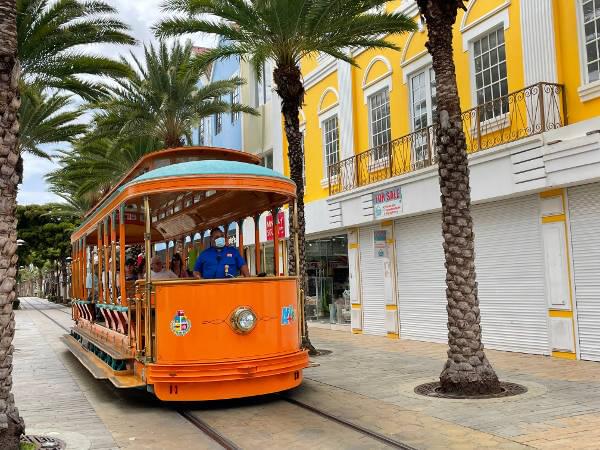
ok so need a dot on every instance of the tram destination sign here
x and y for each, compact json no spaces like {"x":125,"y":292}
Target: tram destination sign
{"x":387,"y":203}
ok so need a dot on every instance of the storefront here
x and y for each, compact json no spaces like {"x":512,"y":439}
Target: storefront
{"x":327,"y":295}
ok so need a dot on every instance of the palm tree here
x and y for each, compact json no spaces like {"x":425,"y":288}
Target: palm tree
{"x":286,"y":32}
{"x":467,"y":370}
{"x":93,"y":166}
{"x":49,"y":36}
{"x":45,"y":119}
{"x":11,"y":424}
{"x":163,"y":98}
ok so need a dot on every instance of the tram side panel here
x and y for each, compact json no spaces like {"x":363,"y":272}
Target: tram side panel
{"x":200,"y":355}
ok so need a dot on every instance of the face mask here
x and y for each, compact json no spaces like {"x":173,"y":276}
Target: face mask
{"x":220,"y":242}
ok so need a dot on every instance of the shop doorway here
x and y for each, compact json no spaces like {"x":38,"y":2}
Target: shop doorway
{"x":327,"y":294}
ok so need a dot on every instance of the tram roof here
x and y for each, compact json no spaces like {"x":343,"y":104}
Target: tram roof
{"x":257,"y":187}
{"x":171,"y":155}
{"x":208,"y":167}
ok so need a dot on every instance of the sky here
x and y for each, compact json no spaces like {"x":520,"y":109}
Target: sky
{"x":140,"y":15}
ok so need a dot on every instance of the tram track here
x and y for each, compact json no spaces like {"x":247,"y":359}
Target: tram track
{"x":353,"y":426}
{"x":223,"y":441}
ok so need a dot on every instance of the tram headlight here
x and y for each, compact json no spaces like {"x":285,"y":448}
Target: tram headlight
{"x":243,"y":320}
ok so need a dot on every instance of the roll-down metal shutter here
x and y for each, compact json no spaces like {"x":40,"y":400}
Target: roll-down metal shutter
{"x":509,"y":261}
{"x":421,"y":278}
{"x":584,"y":210}
{"x":510,"y":273}
{"x":371,"y":278}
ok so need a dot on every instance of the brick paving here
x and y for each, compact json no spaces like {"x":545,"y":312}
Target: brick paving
{"x":368,"y":380}
{"x":561,"y":409}
{"x":49,"y":399}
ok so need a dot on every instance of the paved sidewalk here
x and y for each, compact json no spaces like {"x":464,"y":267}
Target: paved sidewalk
{"x":560,"y":410}
{"x":48,"y":398}
{"x":368,"y":380}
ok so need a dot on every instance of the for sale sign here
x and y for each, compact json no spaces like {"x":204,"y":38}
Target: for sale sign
{"x":387,"y":203}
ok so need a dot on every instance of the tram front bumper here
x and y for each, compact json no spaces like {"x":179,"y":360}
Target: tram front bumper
{"x":226,"y":379}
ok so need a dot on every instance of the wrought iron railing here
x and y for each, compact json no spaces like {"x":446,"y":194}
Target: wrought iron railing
{"x":529,"y":111}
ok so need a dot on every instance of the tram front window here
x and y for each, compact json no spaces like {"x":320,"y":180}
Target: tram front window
{"x":220,"y":260}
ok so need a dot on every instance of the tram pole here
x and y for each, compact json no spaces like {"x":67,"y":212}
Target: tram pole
{"x":148,"y":251}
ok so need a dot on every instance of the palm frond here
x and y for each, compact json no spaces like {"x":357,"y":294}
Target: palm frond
{"x":49,"y":34}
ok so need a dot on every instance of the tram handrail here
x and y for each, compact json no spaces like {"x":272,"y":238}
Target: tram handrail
{"x":217,"y":280}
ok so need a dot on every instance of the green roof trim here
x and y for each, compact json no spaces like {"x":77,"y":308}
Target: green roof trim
{"x":208,"y":167}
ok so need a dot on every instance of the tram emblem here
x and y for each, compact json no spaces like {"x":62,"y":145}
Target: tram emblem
{"x":288,"y":314}
{"x":180,"y":325}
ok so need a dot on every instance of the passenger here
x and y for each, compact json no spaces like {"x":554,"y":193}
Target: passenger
{"x":157,"y":271}
{"x":220,"y":260}
{"x":91,"y":282}
{"x":130,"y":273}
{"x":177,"y":267}
{"x":141,"y":268}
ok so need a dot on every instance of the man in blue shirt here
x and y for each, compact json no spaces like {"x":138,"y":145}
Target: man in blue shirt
{"x":220,"y":260}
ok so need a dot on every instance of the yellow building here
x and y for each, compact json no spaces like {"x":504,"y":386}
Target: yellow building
{"x":528,"y":75}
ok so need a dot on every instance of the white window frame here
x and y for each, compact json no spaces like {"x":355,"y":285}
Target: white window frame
{"x":323,"y":117}
{"x":235,"y":98}
{"x":264,"y":87}
{"x":263,"y":158}
{"x":202,"y":132}
{"x":426,"y":69}
{"x":218,"y":122}
{"x":588,"y":90}
{"x":472,"y":33}
{"x":473,"y":74}
{"x":370,"y":89}
{"x":370,"y":121}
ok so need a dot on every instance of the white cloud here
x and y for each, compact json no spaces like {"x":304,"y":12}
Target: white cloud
{"x":36,"y":168}
{"x":36,"y":197}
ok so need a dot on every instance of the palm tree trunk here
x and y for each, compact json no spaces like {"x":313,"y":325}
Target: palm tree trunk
{"x":291,"y":91}
{"x":467,"y":370}
{"x":11,"y":424}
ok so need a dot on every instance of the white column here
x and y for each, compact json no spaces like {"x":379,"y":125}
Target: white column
{"x":354,"y":280}
{"x":345,"y":110}
{"x":277,"y":133}
{"x":389,"y":283}
{"x":538,"y":39}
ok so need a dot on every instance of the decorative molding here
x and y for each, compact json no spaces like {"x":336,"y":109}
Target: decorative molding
{"x":463,"y":24}
{"x":319,"y":73}
{"x":377,"y":58}
{"x":589,"y":91}
{"x":415,"y":64}
{"x":323,"y":94}
{"x":496,"y":17}
{"x":408,"y":7}
{"x":328,"y":112}
{"x":377,"y":85}
{"x":405,"y":48}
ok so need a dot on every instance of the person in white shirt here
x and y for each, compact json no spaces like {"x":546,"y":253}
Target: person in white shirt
{"x":91,"y":282}
{"x":157,"y":271}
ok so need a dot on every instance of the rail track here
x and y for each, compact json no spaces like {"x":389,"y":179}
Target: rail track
{"x":222,"y":440}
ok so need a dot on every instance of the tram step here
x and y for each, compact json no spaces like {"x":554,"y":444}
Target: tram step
{"x":98,"y":368}
{"x":115,"y":353}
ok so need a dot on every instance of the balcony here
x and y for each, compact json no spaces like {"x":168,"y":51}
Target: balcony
{"x":520,"y":114}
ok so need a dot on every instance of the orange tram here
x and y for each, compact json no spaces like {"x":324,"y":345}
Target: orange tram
{"x":185,"y":339}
